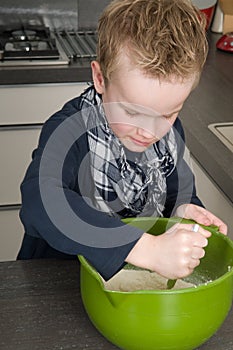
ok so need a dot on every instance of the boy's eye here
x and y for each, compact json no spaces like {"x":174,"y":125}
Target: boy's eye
{"x":169,"y":116}
{"x":131,"y":113}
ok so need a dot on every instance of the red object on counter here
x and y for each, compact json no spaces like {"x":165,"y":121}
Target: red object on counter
{"x":209,"y":13}
{"x":225,"y":43}
{"x":207,"y":7}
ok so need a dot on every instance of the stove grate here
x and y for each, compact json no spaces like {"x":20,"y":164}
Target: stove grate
{"x":77,"y":44}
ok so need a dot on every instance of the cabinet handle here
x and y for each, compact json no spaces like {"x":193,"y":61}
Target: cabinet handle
{"x":20,"y":127}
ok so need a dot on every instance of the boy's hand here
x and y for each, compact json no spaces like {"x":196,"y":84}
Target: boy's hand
{"x":201,"y":215}
{"x":173,"y":254}
{"x":180,"y":250}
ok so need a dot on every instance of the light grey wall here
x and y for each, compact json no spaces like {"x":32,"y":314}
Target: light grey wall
{"x":54,"y":13}
{"x":89,"y":12}
{"x":59,"y":14}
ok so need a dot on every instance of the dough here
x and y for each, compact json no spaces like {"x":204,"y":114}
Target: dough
{"x":129,"y":280}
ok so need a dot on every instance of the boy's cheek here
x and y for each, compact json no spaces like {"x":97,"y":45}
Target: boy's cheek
{"x":157,"y":129}
{"x":121,"y":130}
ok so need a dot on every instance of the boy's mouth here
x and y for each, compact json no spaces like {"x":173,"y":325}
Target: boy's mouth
{"x":141,"y":143}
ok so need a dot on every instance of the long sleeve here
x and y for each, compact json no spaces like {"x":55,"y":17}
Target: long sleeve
{"x":56,"y":197}
{"x":181,"y":182}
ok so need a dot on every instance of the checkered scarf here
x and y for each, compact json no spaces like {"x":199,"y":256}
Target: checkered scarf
{"x":127,"y":184}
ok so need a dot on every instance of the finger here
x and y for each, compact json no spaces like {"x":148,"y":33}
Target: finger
{"x":213,"y":220}
{"x":200,"y":241}
{"x":204,"y":232}
{"x":222,"y":227}
{"x":203,"y":217}
{"x":197,"y":253}
{"x":198,"y":233}
{"x":194,"y":263}
{"x":192,"y":228}
{"x":206,"y":218}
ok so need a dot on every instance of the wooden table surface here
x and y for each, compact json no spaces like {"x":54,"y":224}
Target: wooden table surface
{"x":41,"y":308}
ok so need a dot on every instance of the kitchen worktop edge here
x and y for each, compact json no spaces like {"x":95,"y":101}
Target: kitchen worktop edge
{"x":72,"y":73}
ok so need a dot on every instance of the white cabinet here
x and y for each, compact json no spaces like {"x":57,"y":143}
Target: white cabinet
{"x":30,"y":104}
{"x":11,"y":233}
{"x":212,"y":197}
{"x":16,"y":145}
{"x":23,"y":111}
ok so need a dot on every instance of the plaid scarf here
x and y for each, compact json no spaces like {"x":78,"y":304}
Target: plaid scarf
{"x":127,"y":184}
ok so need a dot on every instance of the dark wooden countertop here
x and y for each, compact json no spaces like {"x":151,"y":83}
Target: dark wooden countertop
{"x":41,"y":308}
{"x":212,"y":102}
{"x":75,"y":72}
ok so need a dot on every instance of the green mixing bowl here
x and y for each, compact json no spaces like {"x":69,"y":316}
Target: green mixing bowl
{"x":179,"y":319}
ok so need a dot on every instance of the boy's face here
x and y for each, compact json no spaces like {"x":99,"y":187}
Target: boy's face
{"x":139,"y":109}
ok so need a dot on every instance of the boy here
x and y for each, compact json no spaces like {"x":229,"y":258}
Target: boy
{"x":117,"y":150}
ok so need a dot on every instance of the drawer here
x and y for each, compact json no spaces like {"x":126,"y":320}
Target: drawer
{"x":29,"y":104}
{"x":16,"y":146}
{"x":11,"y":234}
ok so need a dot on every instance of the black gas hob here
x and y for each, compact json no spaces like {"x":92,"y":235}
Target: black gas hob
{"x":38,"y":45}
{"x":33,"y":43}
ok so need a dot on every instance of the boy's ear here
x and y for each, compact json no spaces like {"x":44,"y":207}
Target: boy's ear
{"x":97,"y":77}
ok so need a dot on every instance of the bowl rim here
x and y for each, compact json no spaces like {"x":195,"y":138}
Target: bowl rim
{"x":195,"y":289}
{"x":84,"y":262}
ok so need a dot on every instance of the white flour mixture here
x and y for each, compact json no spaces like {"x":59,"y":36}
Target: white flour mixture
{"x":130,"y":280}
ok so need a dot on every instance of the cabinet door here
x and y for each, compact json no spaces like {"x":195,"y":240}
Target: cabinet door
{"x":11,"y":234}
{"x":16,"y":146}
{"x":29,"y":104}
{"x":212,"y":197}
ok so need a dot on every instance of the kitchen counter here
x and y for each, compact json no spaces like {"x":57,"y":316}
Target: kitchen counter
{"x":211,"y":102}
{"x":41,"y":308}
{"x":71,"y":73}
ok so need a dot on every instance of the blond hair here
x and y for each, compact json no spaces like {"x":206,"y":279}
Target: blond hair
{"x":165,"y":38}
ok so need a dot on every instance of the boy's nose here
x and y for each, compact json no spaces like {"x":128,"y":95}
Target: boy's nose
{"x":145,"y":133}
{"x":154,"y":128}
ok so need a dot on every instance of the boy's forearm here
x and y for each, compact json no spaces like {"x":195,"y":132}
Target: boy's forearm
{"x":142,"y":252}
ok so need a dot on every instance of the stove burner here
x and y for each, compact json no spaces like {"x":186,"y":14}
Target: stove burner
{"x":33,"y":45}
{"x":28,"y":43}
{"x":26,"y":46}
{"x":22,"y":46}
{"x":24,"y":34}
